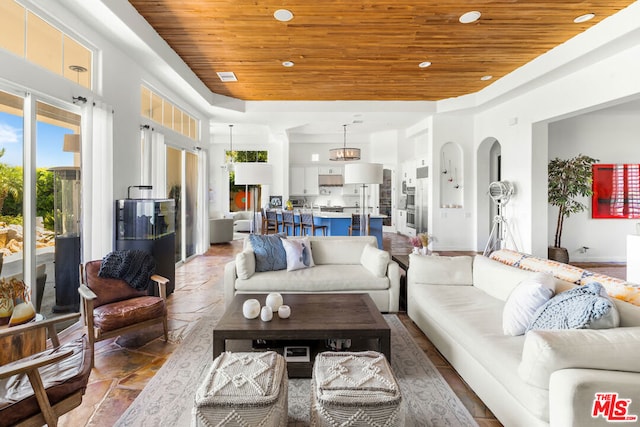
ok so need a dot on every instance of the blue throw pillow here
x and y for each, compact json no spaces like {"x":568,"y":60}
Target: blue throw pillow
{"x":269,"y":252}
{"x":586,"y":306}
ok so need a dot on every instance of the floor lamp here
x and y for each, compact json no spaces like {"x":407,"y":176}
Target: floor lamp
{"x":253,"y":174}
{"x":363,"y":174}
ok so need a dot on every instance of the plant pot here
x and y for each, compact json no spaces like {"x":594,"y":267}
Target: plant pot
{"x":558,"y":254}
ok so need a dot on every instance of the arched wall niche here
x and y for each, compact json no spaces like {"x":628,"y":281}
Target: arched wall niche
{"x":451,"y":176}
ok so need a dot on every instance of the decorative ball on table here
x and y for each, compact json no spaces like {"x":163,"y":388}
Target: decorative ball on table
{"x":266,"y":314}
{"x":274,"y":300}
{"x":284,"y":311}
{"x":251,"y":308}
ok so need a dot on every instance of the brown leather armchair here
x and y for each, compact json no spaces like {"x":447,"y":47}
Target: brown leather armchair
{"x":39,"y":388}
{"x":111,"y":307}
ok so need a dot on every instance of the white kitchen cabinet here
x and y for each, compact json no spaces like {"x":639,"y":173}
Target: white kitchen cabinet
{"x":303,"y":181}
{"x":330,"y":170}
{"x":408,"y":169}
{"x":311,"y":181}
{"x":402,"y":222}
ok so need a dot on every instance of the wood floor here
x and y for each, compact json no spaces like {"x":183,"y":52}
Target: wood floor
{"x":124,"y":365}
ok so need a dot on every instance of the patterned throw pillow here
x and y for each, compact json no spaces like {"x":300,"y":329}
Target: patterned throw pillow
{"x":298,"y":254}
{"x":269,"y":252}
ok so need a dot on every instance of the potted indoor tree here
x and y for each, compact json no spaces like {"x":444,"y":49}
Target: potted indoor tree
{"x":568,"y":180}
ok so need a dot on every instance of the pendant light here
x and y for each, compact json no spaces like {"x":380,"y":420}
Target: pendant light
{"x":229,"y":159}
{"x":344,"y":153}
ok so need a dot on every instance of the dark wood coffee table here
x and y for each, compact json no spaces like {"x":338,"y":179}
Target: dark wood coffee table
{"x":314,"y":317}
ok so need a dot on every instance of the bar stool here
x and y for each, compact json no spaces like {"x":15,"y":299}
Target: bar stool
{"x":288,"y":223}
{"x":269,"y":221}
{"x":307,"y":222}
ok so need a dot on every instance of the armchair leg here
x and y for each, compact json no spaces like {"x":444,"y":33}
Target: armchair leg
{"x":41,"y":396}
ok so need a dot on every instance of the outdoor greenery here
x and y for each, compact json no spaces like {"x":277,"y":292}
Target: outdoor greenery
{"x":11,"y":184}
{"x":568,"y":180}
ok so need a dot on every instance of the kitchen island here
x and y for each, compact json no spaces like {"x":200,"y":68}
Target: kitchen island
{"x":338,"y":224}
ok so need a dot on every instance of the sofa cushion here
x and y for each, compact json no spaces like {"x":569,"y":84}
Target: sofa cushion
{"x":547,"y":351}
{"x":119,"y":314}
{"x":495,"y":278}
{"x":586,"y":306}
{"x":269,"y":252}
{"x":441,"y":270}
{"x":339,"y":250}
{"x":321,"y":278}
{"x":298,"y":254}
{"x":524,"y":301}
{"x":245,"y":264}
{"x":375,"y":260}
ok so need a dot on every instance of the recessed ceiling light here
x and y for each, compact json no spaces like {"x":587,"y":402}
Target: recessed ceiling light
{"x":487,"y":77}
{"x":283,"y":15}
{"x":424,"y":64}
{"x":584,"y":18}
{"x":288,"y":64}
{"x":470,"y":17}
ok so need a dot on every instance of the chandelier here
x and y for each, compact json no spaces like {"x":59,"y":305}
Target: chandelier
{"x":344,"y":153}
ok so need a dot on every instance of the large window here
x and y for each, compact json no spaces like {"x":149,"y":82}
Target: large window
{"x":25,"y":34}
{"x":165,"y":113}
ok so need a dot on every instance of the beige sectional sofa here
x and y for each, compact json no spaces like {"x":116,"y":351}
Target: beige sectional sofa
{"x":342,"y":264}
{"x":545,"y":377}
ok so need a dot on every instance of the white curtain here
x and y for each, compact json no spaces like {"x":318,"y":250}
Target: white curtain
{"x":145,"y":155}
{"x":159,"y":165}
{"x":97,"y":181}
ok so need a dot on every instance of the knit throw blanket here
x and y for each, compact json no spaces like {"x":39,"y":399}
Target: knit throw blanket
{"x":133,"y":266}
{"x":573,"y":309}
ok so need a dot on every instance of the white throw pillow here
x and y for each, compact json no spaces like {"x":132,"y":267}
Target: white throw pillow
{"x":298,"y":253}
{"x":245,"y":264}
{"x":524,"y":300}
{"x":375,"y":260}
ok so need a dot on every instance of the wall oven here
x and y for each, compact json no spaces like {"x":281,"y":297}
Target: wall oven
{"x":411,"y":198}
{"x":411,"y":207}
{"x":411,"y":218}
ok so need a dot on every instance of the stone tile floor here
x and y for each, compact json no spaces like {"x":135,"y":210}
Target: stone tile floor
{"x":124,"y":365}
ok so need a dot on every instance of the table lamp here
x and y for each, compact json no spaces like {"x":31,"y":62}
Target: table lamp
{"x":363,"y":174}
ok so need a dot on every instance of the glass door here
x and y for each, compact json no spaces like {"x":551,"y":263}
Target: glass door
{"x":56,"y":192}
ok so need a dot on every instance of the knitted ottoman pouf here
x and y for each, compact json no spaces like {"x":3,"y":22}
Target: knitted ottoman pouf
{"x":355,"y":389}
{"x":243,"y":389}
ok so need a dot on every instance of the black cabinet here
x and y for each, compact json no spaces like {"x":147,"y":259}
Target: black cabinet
{"x":149,"y":225}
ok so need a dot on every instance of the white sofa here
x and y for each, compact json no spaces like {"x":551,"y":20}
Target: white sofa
{"x":538,"y":379}
{"x":338,"y":268}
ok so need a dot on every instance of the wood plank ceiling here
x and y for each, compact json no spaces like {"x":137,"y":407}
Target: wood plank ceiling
{"x":363,"y":50}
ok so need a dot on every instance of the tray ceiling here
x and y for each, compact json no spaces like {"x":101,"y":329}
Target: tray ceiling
{"x":362,"y":50}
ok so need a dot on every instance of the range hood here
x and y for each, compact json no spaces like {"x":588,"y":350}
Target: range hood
{"x":330,"y":180}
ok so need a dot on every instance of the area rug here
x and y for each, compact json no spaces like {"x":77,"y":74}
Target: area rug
{"x":168,"y":398}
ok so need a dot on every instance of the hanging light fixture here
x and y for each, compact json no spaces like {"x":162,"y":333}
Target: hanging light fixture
{"x":344,"y":153}
{"x":229,"y":163}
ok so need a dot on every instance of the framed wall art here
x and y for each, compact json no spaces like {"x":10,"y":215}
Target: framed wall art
{"x":616,"y":191}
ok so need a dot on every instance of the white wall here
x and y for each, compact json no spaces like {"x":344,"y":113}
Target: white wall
{"x":118,"y":81}
{"x":610,"y":138}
